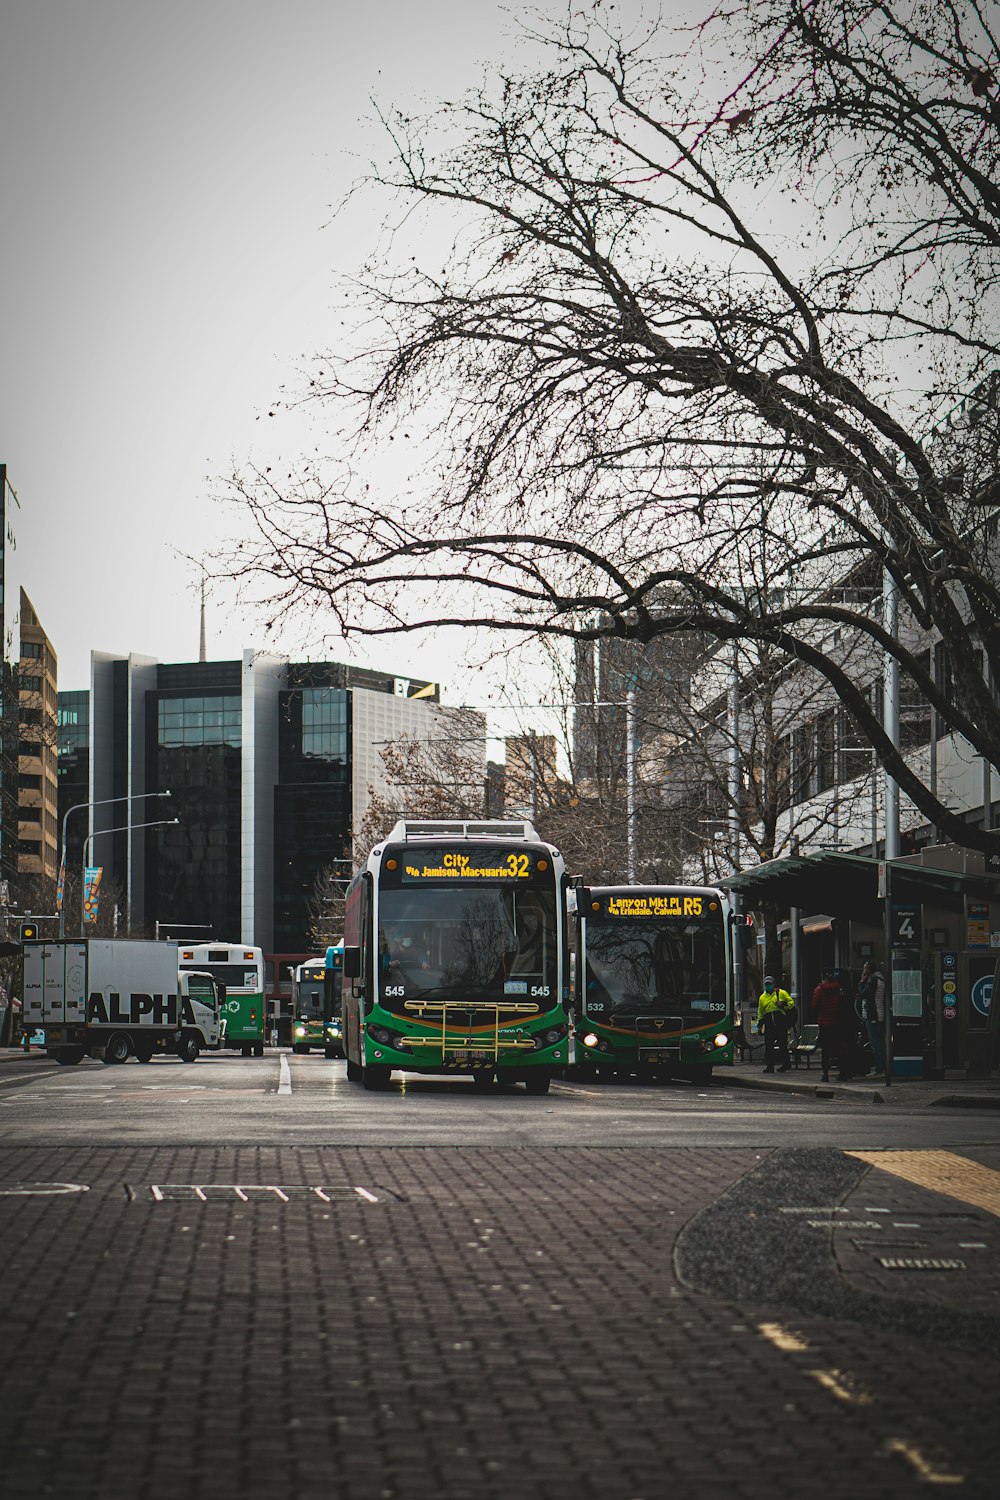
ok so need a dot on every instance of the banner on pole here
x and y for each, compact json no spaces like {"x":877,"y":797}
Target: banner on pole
{"x":61,"y":882}
{"x":91,"y":892}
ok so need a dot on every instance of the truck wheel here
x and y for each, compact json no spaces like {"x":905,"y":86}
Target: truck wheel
{"x":68,"y":1057}
{"x":188,"y":1048}
{"x":537,"y":1083}
{"x":143,"y":1050}
{"x":117,"y":1048}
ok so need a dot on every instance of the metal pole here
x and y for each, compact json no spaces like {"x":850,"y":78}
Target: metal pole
{"x":887,"y":976}
{"x":157,"y":823}
{"x":77,"y":806}
{"x":630,"y":757}
{"x":890,"y":619}
{"x":795,"y":935}
{"x":735,"y":765}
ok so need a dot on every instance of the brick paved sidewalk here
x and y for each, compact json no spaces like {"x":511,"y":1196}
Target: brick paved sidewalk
{"x":496,"y":1324}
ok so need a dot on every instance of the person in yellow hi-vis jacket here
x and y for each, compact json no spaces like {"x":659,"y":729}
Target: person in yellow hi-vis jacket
{"x":775,"y":1011}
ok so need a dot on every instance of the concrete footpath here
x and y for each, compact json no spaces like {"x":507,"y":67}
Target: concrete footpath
{"x":953,"y":1091}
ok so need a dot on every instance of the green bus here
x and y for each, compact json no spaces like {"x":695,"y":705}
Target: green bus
{"x":454,"y":956}
{"x":239,"y":969}
{"x":652,"y":981}
{"x":316,"y":1003}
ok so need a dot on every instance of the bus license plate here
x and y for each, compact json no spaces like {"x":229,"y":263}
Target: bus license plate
{"x":474,"y":1053}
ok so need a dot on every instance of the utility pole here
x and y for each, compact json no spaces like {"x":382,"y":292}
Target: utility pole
{"x":631,"y":750}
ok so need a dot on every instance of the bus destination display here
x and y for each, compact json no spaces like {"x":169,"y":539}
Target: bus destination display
{"x":479,"y":864}
{"x":656,"y":905}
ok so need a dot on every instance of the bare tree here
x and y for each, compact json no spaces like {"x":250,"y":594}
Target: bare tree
{"x":325,"y":906}
{"x":436,"y":778}
{"x":688,"y":360}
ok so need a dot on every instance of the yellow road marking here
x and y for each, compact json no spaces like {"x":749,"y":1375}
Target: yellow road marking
{"x":941,"y":1172}
{"x":928,"y":1472}
{"x":837,"y":1383}
{"x":788,"y":1343}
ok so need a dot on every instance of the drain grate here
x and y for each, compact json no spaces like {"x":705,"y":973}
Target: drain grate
{"x":228,"y":1192}
{"x":893,"y":1263}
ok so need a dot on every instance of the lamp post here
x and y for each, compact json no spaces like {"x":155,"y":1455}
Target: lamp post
{"x":124,"y":828}
{"x":77,"y":807}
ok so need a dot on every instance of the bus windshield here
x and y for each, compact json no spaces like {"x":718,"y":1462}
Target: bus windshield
{"x":642,"y":965}
{"x":472,"y":942}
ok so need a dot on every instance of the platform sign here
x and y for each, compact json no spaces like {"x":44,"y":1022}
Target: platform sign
{"x":977,"y":936}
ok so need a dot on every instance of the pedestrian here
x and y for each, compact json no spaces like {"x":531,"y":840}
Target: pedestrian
{"x":827,"y":1010}
{"x":871,"y":993}
{"x":775,"y":1009}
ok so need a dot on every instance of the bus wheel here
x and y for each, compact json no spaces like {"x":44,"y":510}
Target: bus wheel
{"x":331,"y":1052}
{"x":117,"y":1048}
{"x":258,"y":1049}
{"x":699,"y":1072}
{"x":537,"y":1083}
{"x":301,"y":1048}
{"x":376,"y":1076}
{"x":188,"y":1048}
{"x":483,"y":1078}
{"x":67,"y":1057}
{"x":353,"y":1072}
{"x":246,"y":1050}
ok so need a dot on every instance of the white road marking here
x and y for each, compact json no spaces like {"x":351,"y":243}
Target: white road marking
{"x":836,"y":1383}
{"x":285,"y":1085}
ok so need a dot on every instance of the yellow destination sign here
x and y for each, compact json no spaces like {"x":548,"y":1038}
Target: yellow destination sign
{"x":655,"y":906}
{"x":467,"y":867}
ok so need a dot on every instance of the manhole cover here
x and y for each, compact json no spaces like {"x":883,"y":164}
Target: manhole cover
{"x":228,"y":1192}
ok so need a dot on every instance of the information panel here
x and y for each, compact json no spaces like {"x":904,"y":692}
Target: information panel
{"x":658,"y":904}
{"x":421,"y":866}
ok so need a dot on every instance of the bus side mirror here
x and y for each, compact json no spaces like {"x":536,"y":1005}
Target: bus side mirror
{"x":352,"y":963}
{"x":583,"y":900}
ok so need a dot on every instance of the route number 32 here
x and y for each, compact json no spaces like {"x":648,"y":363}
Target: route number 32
{"x":517,"y":864}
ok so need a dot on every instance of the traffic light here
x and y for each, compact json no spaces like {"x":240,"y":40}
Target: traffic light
{"x":29,"y":932}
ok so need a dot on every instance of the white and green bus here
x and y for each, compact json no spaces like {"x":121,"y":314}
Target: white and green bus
{"x":239,"y":969}
{"x":316,"y":1003}
{"x":454,"y":957}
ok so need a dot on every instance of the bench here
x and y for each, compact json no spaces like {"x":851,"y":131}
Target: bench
{"x":806,"y":1046}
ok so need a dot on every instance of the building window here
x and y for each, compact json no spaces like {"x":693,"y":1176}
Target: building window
{"x":33,"y":650}
{"x":213,"y":720}
{"x":30,"y":715}
{"x":29,"y":783}
{"x":29,"y":814}
{"x":30,"y":847}
{"x":29,"y":747}
{"x":30,"y":684}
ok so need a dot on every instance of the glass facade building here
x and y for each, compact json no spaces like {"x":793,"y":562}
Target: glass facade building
{"x":260,"y":760}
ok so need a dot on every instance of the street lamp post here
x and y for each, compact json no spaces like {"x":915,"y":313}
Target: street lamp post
{"x":77,"y":807}
{"x":157,"y":823}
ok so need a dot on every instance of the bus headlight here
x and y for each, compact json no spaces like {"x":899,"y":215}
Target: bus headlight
{"x":590,"y":1040}
{"x":300,"y":1031}
{"x":721,"y":1040}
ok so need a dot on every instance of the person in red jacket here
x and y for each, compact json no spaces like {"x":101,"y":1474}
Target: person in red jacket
{"x":827,"y":1011}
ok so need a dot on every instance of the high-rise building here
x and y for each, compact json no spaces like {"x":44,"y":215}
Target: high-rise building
{"x":268,"y":765}
{"x":37,"y":776}
{"x":28,"y":688}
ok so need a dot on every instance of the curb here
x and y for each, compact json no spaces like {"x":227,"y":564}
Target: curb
{"x":802,"y":1089}
{"x":968,"y":1101}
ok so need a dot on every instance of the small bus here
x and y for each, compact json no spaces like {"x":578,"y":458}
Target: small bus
{"x":652,"y":987}
{"x":239,"y":969}
{"x":316,"y":1004}
{"x":454,"y":956}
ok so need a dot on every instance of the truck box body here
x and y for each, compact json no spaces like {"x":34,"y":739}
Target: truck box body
{"x":84,"y":991}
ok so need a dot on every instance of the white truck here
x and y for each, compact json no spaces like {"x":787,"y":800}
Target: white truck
{"x":116,"y":998}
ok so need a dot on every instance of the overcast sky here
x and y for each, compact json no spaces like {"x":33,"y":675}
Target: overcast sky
{"x":168,"y":176}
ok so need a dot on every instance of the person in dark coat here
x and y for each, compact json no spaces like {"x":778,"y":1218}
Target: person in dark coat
{"x":827,"y":1010}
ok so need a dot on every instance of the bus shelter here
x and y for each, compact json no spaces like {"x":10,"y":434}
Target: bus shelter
{"x":936,"y":914}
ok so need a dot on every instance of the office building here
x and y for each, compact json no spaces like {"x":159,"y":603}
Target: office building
{"x":268,"y":764}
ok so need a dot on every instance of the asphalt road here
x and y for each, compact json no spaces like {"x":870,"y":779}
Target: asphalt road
{"x":247,"y":1278}
{"x":284,"y":1099}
